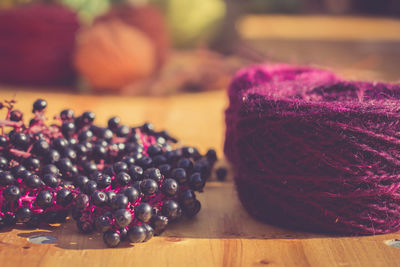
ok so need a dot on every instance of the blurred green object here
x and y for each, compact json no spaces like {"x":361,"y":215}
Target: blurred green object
{"x":193,"y":22}
{"x":87,"y":9}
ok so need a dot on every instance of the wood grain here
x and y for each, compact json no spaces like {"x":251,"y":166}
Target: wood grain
{"x":222,"y":234}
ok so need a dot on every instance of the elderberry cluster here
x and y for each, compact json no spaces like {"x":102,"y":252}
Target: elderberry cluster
{"x":126,"y":182}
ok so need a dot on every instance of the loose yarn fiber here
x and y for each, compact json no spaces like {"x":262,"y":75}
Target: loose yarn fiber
{"x":315,"y":152}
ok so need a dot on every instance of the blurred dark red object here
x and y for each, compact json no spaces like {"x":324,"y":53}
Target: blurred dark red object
{"x":36,"y":45}
{"x":149,"y":20}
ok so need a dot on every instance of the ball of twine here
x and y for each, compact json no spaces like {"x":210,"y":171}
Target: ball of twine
{"x":313,"y":151}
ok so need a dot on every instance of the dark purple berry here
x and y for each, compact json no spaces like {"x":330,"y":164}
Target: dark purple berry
{"x":11,"y":193}
{"x":132,"y":194}
{"x":179,"y":174}
{"x":44,"y":199}
{"x":137,"y":234}
{"x":170,"y":209}
{"x":152,"y":173}
{"x":196,"y":182}
{"x":23,"y":214}
{"x":169,"y":187}
{"x":64,"y":197}
{"x":122,"y":217}
{"x":221,"y":173}
{"x":111,"y":238}
{"x":39,"y":105}
{"x":99,"y":198}
{"x":148,"y":187}
{"x":67,"y":114}
{"x":143,"y":212}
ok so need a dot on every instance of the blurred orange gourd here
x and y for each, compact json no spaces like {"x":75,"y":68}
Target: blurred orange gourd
{"x":148,"y":19}
{"x":111,"y":54}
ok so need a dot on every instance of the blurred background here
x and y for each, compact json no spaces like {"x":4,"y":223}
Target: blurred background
{"x":163,"y":47}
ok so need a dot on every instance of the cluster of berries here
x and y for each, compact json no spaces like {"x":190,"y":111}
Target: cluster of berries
{"x":126,"y":182}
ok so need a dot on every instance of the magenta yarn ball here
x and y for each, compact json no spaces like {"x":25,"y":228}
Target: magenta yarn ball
{"x":313,"y":151}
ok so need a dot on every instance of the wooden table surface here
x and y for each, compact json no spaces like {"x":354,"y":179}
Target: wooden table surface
{"x":222,"y":234}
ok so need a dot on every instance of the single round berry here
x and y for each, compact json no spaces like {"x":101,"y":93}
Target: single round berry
{"x":132,"y":194}
{"x":85,"y":227}
{"x":128,"y":160}
{"x":136,"y":172}
{"x":41,"y":147}
{"x":99,"y":152}
{"x":179,"y":174}
{"x":99,"y":198}
{"x":102,"y":223}
{"x":65,"y":165}
{"x":137,"y":234}
{"x":122,"y":131}
{"x":81,"y":181}
{"x":111,"y":238}
{"x":152,"y":173}
{"x":90,"y":187}
{"x":6,"y":178}
{"x":211,"y":155}
{"x":148,"y":187}
{"x":39,"y":105}
{"x":123,"y":178}
{"x":32,"y":163}
{"x":23,"y":214}
{"x":143,"y":212}
{"x":44,"y":199}
{"x":70,"y":153}
{"x":64,"y":197}
{"x":190,"y":152}
{"x":51,"y":169}
{"x":19,"y":140}
{"x":159,"y":159}
{"x":169,"y":187}
{"x":144,"y":162}
{"x":154,"y":150}
{"x":33,"y":181}
{"x":122,"y":217}
{"x":221,"y":173}
{"x":196,"y":182}
{"x":11,"y":193}
{"x":103,"y":180}
{"x":185,"y":163}
{"x":120,"y":201}
{"x":16,"y":115}
{"x":192,"y":209}
{"x":18,"y":170}
{"x":170,"y":209}
{"x":68,"y":129}
{"x":149,"y":232}
{"x":147,"y":128}
{"x":3,"y":163}
{"x":89,"y":167}
{"x":51,"y":180}
{"x":52,"y":156}
{"x":120,"y":166}
{"x":187,"y":197}
{"x":88,"y":117}
{"x":165,"y":169}
{"x":60,"y":143}
{"x":67,"y":114}
{"x":113,"y":123}
{"x":10,"y":219}
{"x":86,"y":135}
{"x":3,"y":141}
{"x":159,"y":223}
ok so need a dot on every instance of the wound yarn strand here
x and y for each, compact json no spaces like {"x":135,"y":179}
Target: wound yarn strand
{"x":313,"y":151}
